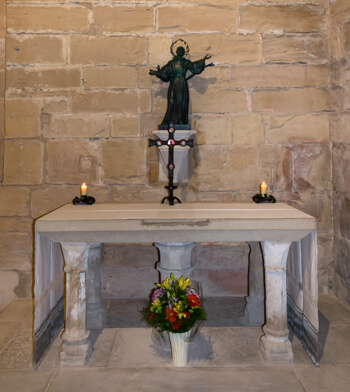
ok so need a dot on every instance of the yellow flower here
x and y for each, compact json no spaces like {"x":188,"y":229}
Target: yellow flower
{"x":156,"y":305}
{"x":179,"y":309}
{"x":183,"y":283}
{"x":165,"y":284}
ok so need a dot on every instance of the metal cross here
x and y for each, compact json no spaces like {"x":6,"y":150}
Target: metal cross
{"x":171,"y":143}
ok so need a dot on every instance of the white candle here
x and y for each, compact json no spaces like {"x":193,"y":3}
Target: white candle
{"x":83,"y":190}
{"x":263,"y":188}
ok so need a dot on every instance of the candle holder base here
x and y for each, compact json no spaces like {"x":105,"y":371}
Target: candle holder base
{"x":259,"y":198}
{"x":84,"y":200}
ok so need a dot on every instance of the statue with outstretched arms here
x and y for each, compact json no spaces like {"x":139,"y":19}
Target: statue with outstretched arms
{"x":175,"y":73}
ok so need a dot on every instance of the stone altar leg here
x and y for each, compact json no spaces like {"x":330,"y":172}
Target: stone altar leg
{"x":175,"y":258}
{"x":254,"y":312}
{"x":94,"y":308}
{"x":275,"y":345}
{"x":76,"y":347}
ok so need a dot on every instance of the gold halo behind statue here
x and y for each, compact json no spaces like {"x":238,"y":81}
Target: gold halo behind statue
{"x":187,"y":48}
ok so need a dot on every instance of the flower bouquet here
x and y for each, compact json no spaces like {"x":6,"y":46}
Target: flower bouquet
{"x":174,"y":307}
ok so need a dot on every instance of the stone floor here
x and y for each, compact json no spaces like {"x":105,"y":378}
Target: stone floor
{"x":224,"y":356}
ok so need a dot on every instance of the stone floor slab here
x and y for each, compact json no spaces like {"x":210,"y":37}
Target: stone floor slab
{"x":25,"y":381}
{"x":212,"y":347}
{"x":6,"y":333}
{"x":102,"y":342}
{"x":102,"y":347}
{"x":16,"y":312}
{"x":337,"y":348}
{"x":234,"y":346}
{"x":133,"y":347}
{"x":276,"y":379}
{"x":18,"y":354}
{"x":334,"y":310}
{"x":301,"y":357}
{"x":220,"y":358}
{"x":325,"y":378}
{"x":51,"y":359}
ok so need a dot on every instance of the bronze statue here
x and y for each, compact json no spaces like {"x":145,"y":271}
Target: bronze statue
{"x":178,"y":96}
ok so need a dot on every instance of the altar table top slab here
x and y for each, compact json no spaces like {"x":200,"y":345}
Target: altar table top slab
{"x":189,"y":221}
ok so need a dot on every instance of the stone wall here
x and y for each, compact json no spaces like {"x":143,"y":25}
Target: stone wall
{"x":80,"y":106}
{"x":2,"y":83}
{"x":5,"y":294}
{"x":340,"y":130}
{"x":129,"y":271}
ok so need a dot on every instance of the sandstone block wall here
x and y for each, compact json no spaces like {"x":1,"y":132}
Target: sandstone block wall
{"x":129,"y":271}
{"x":2,"y":83}
{"x":8,"y":279}
{"x":80,"y":106}
{"x":340,"y":131}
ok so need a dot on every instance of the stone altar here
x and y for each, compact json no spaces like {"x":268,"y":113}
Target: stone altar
{"x":80,"y":230}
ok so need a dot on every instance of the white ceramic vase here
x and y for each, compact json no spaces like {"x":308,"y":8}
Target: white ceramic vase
{"x":179,"y":347}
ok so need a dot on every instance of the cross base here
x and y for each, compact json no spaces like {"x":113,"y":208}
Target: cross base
{"x":171,"y":198}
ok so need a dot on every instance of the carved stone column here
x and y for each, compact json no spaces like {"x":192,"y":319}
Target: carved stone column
{"x":76,"y":347}
{"x":254,"y":312}
{"x":95,"y":311}
{"x":275,"y":345}
{"x":175,"y":258}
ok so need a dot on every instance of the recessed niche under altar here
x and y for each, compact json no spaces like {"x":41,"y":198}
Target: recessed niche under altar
{"x":128,"y":270}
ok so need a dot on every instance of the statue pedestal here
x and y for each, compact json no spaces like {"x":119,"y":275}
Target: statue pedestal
{"x":181,"y":156}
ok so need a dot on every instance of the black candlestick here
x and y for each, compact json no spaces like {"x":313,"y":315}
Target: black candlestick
{"x":84,"y":200}
{"x":259,"y":198}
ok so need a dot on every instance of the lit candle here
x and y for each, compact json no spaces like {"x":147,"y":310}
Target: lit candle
{"x":263,"y":188}
{"x":83,"y":190}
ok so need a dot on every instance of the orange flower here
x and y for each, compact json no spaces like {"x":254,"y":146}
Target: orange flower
{"x":151,"y":316}
{"x":171,"y":315}
{"x":193,"y":301}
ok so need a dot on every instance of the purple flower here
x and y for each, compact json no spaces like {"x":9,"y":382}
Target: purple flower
{"x":156,"y":294}
{"x":191,"y":291}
